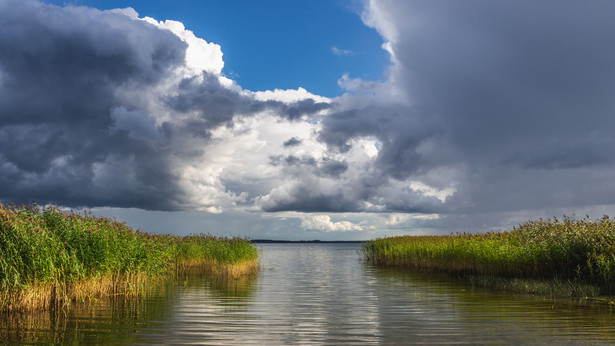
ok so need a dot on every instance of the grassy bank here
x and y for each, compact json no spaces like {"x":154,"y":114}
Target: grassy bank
{"x":576,"y":255}
{"x":49,"y":256}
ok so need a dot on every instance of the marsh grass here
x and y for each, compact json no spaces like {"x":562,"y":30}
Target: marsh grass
{"x":52,"y":257}
{"x":572,"y":257}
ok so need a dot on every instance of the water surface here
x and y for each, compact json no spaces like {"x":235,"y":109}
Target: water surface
{"x":318,"y":294}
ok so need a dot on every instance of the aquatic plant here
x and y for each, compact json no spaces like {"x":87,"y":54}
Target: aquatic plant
{"x":575,"y":251}
{"x":49,"y":256}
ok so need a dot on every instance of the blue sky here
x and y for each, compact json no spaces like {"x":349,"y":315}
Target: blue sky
{"x":455,"y":116}
{"x":276,"y":44}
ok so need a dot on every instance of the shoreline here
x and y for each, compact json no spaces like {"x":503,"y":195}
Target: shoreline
{"x":567,"y":258}
{"x":50,"y":257}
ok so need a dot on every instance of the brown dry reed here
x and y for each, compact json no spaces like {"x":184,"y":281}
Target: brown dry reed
{"x":50,"y":257}
{"x":576,"y":252}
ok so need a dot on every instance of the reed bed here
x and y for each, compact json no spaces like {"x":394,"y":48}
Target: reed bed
{"x":49,"y":256}
{"x":577,"y":252}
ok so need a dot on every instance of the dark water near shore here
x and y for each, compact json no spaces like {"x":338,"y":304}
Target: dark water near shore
{"x":318,"y":294}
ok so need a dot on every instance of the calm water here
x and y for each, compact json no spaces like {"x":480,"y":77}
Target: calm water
{"x":318,"y":294}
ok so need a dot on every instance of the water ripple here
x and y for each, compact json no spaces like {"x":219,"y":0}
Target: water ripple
{"x":320,"y":294}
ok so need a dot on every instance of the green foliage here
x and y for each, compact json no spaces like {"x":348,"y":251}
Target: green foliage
{"x":49,"y":245}
{"x":574,"y":250}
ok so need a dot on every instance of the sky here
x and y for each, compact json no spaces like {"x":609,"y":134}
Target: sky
{"x":331,"y":120}
{"x":271,"y":44}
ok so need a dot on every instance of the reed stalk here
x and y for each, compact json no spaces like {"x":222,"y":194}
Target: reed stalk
{"x":52,"y":257}
{"x":576,"y":251}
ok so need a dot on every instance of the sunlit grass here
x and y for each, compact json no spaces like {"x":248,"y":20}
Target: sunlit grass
{"x":49,"y":256}
{"x":578,"y":252}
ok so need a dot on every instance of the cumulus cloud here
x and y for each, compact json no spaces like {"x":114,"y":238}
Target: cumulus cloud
{"x":517,"y":95}
{"x":200,"y":54}
{"x":289,"y":96}
{"x":105,"y":108}
{"x":323,"y":223}
{"x":488,"y":108}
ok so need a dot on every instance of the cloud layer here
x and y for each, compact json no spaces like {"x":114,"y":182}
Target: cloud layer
{"x":519,"y":95}
{"x":494,"y":107}
{"x":103,"y":108}
{"x":488,"y":108}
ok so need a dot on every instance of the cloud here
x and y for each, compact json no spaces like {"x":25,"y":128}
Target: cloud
{"x":489,"y":110}
{"x":292,"y":142}
{"x":516,"y":97}
{"x":395,"y":219}
{"x":200,"y":54}
{"x":136,"y":123}
{"x":341,"y":52}
{"x":323,"y":223}
{"x":289,"y":96}
{"x":356,"y":84}
{"x":103,"y":108}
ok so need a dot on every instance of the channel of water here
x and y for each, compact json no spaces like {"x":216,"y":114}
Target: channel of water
{"x":318,"y":294}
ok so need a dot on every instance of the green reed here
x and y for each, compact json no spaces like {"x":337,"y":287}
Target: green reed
{"x":580,"y":251}
{"x":52,"y":248}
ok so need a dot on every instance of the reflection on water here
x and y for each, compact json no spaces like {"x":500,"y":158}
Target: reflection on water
{"x":317,"y":294}
{"x":432,"y":308}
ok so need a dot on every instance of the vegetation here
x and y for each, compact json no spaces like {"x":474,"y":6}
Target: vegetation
{"x":49,"y":256}
{"x":577,"y":255}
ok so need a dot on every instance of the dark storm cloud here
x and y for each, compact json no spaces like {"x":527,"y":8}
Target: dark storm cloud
{"x":333,"y":168}
{"x":217,"y":105}
{"x":400,"y":129}
{"x":60,"y":71}
{"x":312,"y":202}
{"x":508,"y":102}
{"x":521,"y":92}
{"x":298,"y":109}
{"x":74,"y":86}
{"x":292,"y":142}
{"x":311,"y":194}
{"x":291,"y":111}
{"x":324,"y":167}
{"x":521,"y":80}
{"x":214,"y":104}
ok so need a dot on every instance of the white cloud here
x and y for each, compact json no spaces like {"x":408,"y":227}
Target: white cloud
{"x":288,"y":96}
{"x":341,"y":52}
{"x":368,"y":146}
{"x":441,"y":194}
{"x":377,"y":15}
{"x":323,"y":223}
{"x":356,"y":84}
{"x":200,"y":55}
{"x":396,"y":219}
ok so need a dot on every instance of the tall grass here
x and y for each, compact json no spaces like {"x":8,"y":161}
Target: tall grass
{"x":48,"y":256}
{"x":579,"y":251}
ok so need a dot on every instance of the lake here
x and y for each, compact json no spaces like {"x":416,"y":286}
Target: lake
{"x":317,"y":294}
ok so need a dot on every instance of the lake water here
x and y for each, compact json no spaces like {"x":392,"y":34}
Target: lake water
{"x":318,"y":294}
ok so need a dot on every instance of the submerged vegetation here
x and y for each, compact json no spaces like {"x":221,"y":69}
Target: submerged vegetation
{"x":49,"y":256}
{"x":559,"y":257}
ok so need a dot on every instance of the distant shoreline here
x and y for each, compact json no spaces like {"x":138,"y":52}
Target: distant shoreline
{"x":272,"y":241}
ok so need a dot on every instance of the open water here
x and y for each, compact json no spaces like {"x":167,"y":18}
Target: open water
{"x":318,"y":294}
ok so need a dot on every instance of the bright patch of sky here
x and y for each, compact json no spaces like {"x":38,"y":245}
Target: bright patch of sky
{"x":271,"y":45}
